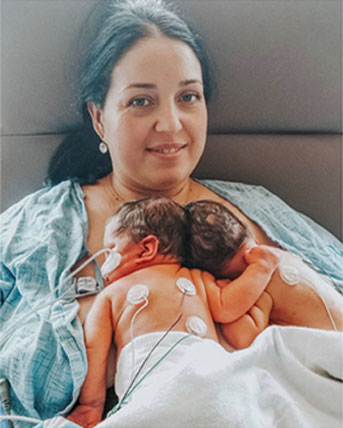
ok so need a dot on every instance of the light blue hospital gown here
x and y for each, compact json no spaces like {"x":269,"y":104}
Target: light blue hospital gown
{"x":43,"y":236}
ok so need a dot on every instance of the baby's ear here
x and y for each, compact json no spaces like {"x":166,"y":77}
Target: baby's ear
{"x":148,"y":248}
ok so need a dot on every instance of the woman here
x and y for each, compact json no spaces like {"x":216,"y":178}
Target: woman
{"x":144,"y":90}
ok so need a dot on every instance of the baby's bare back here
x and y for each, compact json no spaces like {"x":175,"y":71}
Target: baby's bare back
{"x":299,"y":293}
{"x":166,"y":303}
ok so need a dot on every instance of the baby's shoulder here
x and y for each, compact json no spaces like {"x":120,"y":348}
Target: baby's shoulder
{"x":200,"y":277}
{"x":115,"y":290}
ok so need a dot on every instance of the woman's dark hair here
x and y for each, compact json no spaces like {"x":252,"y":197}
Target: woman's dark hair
{"x":117,"y":25}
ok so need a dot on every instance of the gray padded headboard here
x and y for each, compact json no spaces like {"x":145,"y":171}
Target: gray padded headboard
{"x":275,"y":120}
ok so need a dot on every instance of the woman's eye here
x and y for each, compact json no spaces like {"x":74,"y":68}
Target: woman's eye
{"x":140,"y":102}
{"x":189,"y":98}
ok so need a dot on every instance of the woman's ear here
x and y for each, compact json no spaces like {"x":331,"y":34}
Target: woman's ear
{"x":96,"y":115}
{"x":148,"y":249}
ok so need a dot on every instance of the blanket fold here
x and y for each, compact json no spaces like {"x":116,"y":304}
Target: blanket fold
{"x":290,"y":377}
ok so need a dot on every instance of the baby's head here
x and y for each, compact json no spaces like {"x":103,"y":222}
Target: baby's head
{"x":157,"y":216}
{"x":215,"y":237}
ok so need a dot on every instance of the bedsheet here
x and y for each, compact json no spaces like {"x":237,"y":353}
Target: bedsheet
{"x":44,"y":235}
{"x":289,"y":377}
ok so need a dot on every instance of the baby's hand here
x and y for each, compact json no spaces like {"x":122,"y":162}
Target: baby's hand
{"x":86,"y":416}
{"x":221,"y":283}
{"x":264,"y":255}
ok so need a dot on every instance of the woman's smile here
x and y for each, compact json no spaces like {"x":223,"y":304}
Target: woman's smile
{"x":167,"y":151}
{"x":154,"y":119}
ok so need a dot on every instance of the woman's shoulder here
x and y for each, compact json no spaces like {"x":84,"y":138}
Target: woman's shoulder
{"x":52,"y":220}
{"x":56,"y":210}
{"x":47,"y":197}
{"x":233,"y":189}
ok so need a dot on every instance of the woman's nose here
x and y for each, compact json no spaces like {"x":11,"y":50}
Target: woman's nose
{"x":169,"y":119}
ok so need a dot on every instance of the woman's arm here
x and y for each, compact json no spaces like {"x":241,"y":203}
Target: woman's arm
{"x":98,"y":332}
{"x":231,"y":301}
{"x":242,"y":332}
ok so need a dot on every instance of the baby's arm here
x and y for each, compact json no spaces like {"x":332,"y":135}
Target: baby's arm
{"x":98,"y":334}
{"x":242,"y":332}
{"x":230,"y":302}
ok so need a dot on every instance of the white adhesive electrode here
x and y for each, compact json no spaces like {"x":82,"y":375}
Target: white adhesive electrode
{"x":137,"y":294}
{"x":289,"y":274}
{"x":196,"y":325}
{"x":112,"y":262}
{"x":186,"y":286}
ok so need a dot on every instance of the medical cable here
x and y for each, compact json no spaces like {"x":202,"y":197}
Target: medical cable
{"x":319,"y":293}
{"x":146,"y":301}
{"x":158,"y":362}
{"x":117,"y":407}
{"x":3,"y":337}
{"x":327,"y":309}
{"x":157,"y":343}
{"x":291,"y":276}
{"x":127,"y":392}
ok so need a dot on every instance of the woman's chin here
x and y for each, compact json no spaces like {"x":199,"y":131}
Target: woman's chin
{"x":168,"y":181}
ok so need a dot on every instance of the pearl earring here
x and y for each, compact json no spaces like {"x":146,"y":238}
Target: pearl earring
{"x":103,"y":147}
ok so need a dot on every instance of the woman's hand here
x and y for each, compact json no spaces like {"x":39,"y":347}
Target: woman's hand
{"x":86,"y":416}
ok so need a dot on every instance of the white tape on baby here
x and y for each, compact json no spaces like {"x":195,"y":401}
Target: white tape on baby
{"x":196,"y":325}
{"x":112,"y":261}
{"x":289,"y":274}
{"x":137,"y":294}
{"x":186,"y":286}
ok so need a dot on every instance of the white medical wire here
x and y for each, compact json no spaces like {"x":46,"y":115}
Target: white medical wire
{"x":85,"y":263}
{"x":130,"y":391}
{"x":20,"y":418}
{"x":131,"y":335}
{"x":329,"y":280}
{"x":322,"y":298}
{"x":327,"y":308}
{"x":158,"y":362}
{"x":127,"y":392}
{"x":3,"y":335}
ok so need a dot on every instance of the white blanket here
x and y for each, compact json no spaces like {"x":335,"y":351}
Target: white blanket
{"x":289,"y":378}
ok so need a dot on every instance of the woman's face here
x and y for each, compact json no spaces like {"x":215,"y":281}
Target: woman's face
{"x":154,"y":119}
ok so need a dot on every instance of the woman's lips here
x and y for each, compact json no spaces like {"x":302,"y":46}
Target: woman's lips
{"x":166,"y":149}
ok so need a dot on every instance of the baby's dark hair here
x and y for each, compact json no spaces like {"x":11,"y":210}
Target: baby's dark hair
{"x":159,"y":216}
{"x":214,"y":236}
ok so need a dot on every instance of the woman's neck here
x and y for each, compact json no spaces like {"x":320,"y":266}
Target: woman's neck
{"x":121,"y":192}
